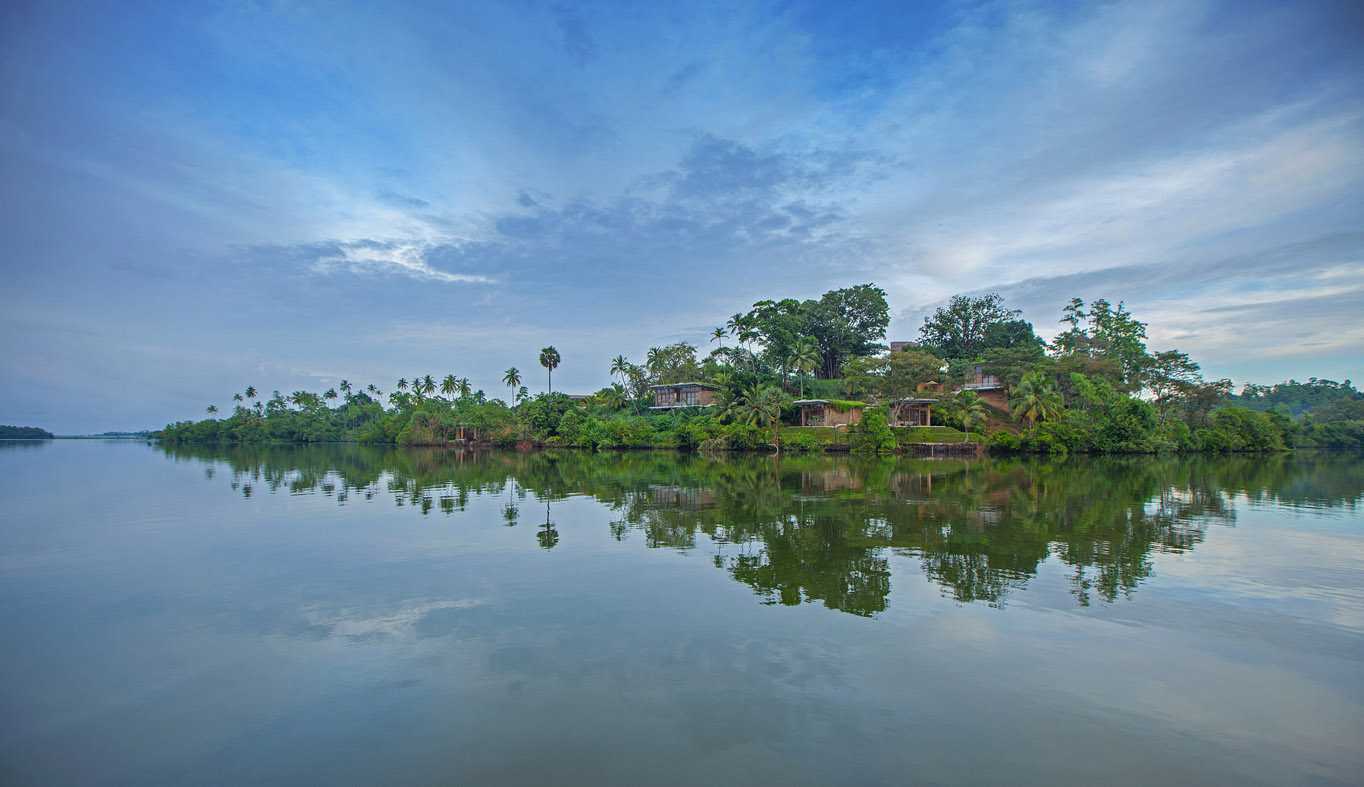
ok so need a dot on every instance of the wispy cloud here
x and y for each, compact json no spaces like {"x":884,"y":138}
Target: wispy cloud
{"x":391,"y":258}
{"x":495,"y":175}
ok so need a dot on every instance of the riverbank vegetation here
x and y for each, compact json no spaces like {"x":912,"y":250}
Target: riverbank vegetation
{"x":1095,"y":388}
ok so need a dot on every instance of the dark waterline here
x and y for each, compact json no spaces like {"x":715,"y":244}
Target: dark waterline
{"x":345,"y":614}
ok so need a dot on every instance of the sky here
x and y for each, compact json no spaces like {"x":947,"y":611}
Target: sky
{"x":199,"y":197}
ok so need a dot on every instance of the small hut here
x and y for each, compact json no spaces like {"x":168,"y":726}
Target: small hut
{"x":912,"y":412}
{"x":829,"y":412}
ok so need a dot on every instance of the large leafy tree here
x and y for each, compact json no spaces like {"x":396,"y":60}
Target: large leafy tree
{"x":862,"y":374}
{"x":906,"y":369}
{"x":549,"y":358}
{"x":847,"y":322}
{"x":672,"y":363}
{"x":1103,"y":331}
{"x":965,"y":325}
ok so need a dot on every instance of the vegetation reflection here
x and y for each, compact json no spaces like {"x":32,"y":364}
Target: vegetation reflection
{"x":824,"y":529}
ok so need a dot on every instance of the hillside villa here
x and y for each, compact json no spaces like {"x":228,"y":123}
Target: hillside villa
{"x":912,"y":412}
{"x":678,"y":395}
{"x":828,"y":412}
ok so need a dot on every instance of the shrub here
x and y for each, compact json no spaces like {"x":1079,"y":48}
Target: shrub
{"x":873,"y":434}
{"x":800,"y":442}
{"x":1004,"y":443}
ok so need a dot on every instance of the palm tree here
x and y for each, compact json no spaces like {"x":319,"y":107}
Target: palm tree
{"x":549,"y":358}
{"x":805,"y":357}
{"x":236,"y":397}
{"x":449,"y":385}
{"x":759,"y":406}
{"x":250,"y":392}
{"x":972,"y":410}
{"x":211,"y":409}
{"x":512,"y":379}
{"x":330,"y":394}
{"x":622,"y":367}
{"x":1035,"y":398}
{"x":718,"y":335}
{"x":735,"y":324}
{"x":402,"y":383}
{"x":462,"y":385}
{"x":612,"y":398}
{"x":428,"y":384}
{"x":345,"y":388}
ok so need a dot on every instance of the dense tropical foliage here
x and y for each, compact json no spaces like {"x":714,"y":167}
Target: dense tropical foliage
{"x":1096,"y":387}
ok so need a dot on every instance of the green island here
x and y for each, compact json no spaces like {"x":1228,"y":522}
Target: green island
{"x":819,"y":375}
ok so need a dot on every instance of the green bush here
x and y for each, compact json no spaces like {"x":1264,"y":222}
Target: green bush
{"x":873,"y":434}
{"x":800,"y":442}
{"x":1004,"y":442}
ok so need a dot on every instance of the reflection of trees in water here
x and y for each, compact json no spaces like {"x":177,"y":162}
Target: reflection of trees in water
{"x":822,"y":529}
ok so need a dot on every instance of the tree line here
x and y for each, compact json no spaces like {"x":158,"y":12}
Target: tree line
{"x":1095,"y":387}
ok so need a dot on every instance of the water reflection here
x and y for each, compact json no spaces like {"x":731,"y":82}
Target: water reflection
{"x":824,"y":529}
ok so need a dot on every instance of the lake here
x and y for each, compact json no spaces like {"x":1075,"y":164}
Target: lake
{"x":355,"y":615}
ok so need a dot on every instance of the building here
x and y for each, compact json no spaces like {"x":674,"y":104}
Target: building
{"x":978,"y":380}
{"x":823,"y":412}
{"x":912,"y":412}
{"x":899,"y":347}
{"x":677,"y":395}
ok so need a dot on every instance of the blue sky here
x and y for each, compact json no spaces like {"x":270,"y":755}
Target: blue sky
{"x":200,"y":197}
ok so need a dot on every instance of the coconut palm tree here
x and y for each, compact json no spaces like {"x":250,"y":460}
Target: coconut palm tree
{"x":462,"y":385}
{"x":718,"y":335}
{"x":761,"y":407}
{"x":330,"y":394}
{"x":449,"y":385}
{"x":211,"y":409}
{"x":236,"y":397}
{"x":512,"y":379}
{"x":428,"y":384}
{"x":972,"y":410}
{"x":402,"y":383}
{"x":549,"y":358}
{"x":345,"y":388}
{"x":622,"y":367}
{"x":250,"y":392}
{"x":805,"y":357}
{"x":613,"y":398}
{"x":1035,"y":398}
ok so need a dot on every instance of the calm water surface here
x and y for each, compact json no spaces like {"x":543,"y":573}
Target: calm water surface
{"x":360,"y":616}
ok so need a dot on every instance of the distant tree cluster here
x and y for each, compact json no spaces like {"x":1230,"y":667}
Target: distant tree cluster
{"x":24,"y":433}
